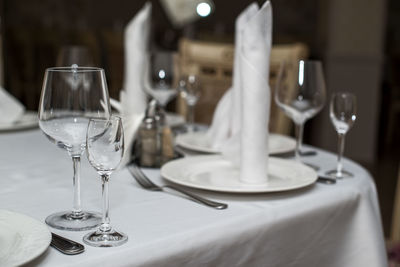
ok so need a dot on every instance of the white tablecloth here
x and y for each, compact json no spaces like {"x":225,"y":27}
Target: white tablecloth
{"x":322,"y":225}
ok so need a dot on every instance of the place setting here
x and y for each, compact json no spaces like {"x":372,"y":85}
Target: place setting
{"x":242,"y":184}
{"x":239,"y":131}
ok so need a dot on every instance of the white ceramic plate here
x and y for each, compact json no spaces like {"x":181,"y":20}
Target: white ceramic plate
{"x":27,"y":121}
{"x":22,"y":238}
{"x":199,"y":141}
{"x":217,"y":174}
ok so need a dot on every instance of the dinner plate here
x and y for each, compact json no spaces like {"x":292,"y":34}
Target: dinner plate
{"x":28,"y":120}
{"x":22,"y":238}
{"x":212,"y":172}
{"x":200,"y":142}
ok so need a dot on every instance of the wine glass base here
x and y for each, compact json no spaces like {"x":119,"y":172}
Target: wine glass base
{"x":105,"y":239}
{"x":339,"y":175}
{"x":65,"y":221}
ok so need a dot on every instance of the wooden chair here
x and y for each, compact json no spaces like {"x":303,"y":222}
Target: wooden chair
{"x":213,"y":63}
{"x":395,"y":231}
{"x":393,"y":243}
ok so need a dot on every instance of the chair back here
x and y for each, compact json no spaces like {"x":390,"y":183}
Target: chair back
{"x":213,"y":64}
{"x":395,"y":232}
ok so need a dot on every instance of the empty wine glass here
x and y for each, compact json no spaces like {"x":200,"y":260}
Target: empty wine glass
{"x":304,"y":100}
{"x":190,"y":89}
{"x":342,"y":112}
{"x":105,"y":148}
{"x":158,"y":82}
{"x":74,"y":54}
{"x":70,"y":97}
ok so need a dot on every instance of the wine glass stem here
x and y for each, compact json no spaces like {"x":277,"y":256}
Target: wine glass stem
{"x":299,"y":140}
{"x":191,"y":118}
{"x":340,"y":153}
{"x":105,"y":224}
{"x":77,"y":210}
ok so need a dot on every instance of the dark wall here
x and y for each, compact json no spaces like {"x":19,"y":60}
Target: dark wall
{"x":34,"y":31}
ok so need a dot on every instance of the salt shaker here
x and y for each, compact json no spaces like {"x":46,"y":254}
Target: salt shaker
{"x":149,"y":143}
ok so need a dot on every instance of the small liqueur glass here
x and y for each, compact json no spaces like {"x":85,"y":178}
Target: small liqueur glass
{"x":191,"y":91}
{"x":342,"y":112}
{"x":105,"y":149}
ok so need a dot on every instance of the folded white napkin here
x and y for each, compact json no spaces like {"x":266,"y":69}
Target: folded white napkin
{"x":132,"y":98}
{"x":10,"y":108}
{"x":240,"y":123}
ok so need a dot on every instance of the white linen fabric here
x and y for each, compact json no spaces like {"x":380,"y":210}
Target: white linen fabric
{"x":245,"y":140}
{"x":132,"y":98}
{"x":10,"y":108}
{"x":321,"y":225}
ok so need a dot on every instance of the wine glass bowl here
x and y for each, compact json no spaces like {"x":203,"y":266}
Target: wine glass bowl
{"x":105,"y":145}
{"x":74,"y":54}
{"x":105,"y":149}
{"x":70,"y":97}
{"x":159,"y":80}
{"x":342,"y":112}
{"x":303,"y":100}
{"x":190,"y":89}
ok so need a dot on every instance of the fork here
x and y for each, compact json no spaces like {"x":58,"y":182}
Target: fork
{"x":146,"y":183}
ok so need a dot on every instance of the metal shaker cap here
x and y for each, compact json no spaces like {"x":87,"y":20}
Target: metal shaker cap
{"x":149,"y":121}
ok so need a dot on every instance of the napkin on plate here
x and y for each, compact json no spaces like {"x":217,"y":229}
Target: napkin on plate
{"x":10,"y":108}
{"x":132,"y":103}
{"x":240,"y":123}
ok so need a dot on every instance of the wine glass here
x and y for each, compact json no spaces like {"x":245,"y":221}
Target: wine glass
{"x":304,"y":100}
{"x":190,"y":89}
{"x":158,"y":82}
{"x":70,"y":97}
{"x":342,"y":112}
{"x":105,"y":148}
{"x":74,"y":54}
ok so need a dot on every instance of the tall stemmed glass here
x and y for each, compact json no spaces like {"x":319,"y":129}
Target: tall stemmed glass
{"x":105,"y":148}
{"x":158,"y":81}
{"x":190,"y":88}
{"x":305,"y":99}
{"x":342,"y":112}
{"x":70,"y":97}
{"x":74,"y":54}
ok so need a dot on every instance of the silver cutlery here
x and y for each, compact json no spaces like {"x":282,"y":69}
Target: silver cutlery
{"x":308,"y":153}
{"x":291,"y":154}
{"x":146,"y":183}
{"x":326,"y":180}
{"x":66,"y":245}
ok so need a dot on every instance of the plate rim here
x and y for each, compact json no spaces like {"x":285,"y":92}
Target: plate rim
{"x":178,"y":141}
{"x":39,"y":250}
{"x":21,"y":124}
{"x":251,"y":190}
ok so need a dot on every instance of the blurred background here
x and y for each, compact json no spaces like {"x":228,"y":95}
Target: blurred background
{"x":358,"y":43}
